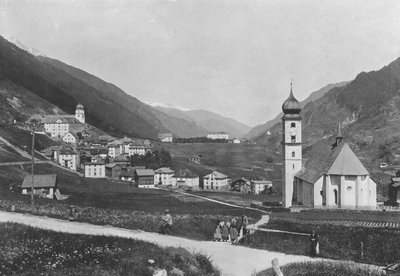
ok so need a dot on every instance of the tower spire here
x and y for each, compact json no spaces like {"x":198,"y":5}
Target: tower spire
{"x":339,"y":136}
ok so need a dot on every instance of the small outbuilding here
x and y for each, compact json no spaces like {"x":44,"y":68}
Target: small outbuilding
{"x":44,"y":185}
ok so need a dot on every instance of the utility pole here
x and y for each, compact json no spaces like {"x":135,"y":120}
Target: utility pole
{"x":33,"y":168}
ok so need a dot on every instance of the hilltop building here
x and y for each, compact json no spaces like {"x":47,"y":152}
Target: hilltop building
{"x":57,"y":126}
{"x":165,"y":137}
{"x":335,"y":179}
{"x":218,"y":135}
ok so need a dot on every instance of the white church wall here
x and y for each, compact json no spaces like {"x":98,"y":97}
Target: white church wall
{"x":335,"y":184}
{"x":318,"y":188}
{"x":349,"y":192}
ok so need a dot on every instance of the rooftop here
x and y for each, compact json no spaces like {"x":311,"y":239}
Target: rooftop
{"x":144,"y":172}
{"x":40,"y":181}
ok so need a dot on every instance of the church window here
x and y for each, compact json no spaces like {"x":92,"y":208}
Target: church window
{"x":349,"y":188}
{"x":293,"y":154}
{"x":293,"y":166}
{"x":293,"y":125}
{"x":293,"y":138}
{"x":336,"y":196}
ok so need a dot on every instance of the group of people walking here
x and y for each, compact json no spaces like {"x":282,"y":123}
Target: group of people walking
{"x":231,"y":231}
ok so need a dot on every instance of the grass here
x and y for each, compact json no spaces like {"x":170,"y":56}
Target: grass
{"x":323,"y":269}
{"x":380,"y":246}
{"x":122,"y":205}
{"x":31,"y":251}
{"x":321,"y":216}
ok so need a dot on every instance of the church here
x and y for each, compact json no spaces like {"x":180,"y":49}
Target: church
{"x":337,"y":179}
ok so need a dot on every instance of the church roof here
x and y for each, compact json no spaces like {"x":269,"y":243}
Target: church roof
{"x":339,"y":161}
{"x":347,"y":163}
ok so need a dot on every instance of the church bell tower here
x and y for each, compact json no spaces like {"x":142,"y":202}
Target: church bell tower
{"x":292,"y":145}
{"x":80,"y":113}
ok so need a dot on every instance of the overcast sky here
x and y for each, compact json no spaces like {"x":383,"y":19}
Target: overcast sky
{"x":236,"y":58}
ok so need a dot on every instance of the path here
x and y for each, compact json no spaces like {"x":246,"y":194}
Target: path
{"x":231,"y":260}
{"x":220,"y":202}
{"x":17,"y":149}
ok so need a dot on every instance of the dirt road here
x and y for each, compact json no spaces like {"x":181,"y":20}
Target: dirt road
{"x":231,"y":260}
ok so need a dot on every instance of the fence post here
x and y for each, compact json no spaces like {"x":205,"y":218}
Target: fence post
{"x":362,"y":250}
{"x":275,"y":266}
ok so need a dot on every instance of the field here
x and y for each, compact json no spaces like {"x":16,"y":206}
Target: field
{"x":367,"y":245}
{"x":119,"y":204}
{"x":234,"y":160}
{"x":31,"y":251}
{"x":323,"y":268}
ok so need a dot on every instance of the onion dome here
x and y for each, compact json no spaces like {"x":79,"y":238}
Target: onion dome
{"x":291,"y":105}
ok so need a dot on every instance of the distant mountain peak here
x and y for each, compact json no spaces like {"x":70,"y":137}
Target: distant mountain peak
{"x":21,"y":45}
{"x":168,"y":105}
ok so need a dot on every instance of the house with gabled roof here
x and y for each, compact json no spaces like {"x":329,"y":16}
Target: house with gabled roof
{"x":163,"y":176}
{"x":186,"y":179}
{"x":44,"y":185}
{"x":144,"y":178}
{"x":70,"y":138}
{"x":68,"y":157}
{"x":240,"y":184}
{"x":215,"y":181}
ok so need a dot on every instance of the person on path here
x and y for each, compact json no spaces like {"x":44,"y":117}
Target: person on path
{"x":233,"y":231}
{"x":217,"y":233}
{"x":245,"y":222}
{"x":225,"y":232}
{"x":314,"y":240}
{"x":166,"y":227}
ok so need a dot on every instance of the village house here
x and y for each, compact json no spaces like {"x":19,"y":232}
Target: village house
{"x":215,"y":181}
{"x":95,"y":170}
{"x":122,"y":159}
{"x":258,"y":186}
{"x":113,"y":171}
{"x":218,"y":135}
{"x":195,"y":159}
{"x":165,"y":137}
{"x":68,"y":158}
{"x":45,"y":185}
{"x":186,"y":179}
{"x":138,"y":149}
{"x":114,"y":150}
{"x":236,"y":141}
{"x":70,"y":138}
{"x":144,"y":178}
{"x":128,"y":175}
{"x":240,"y":184}
{"x":333,"y":178}
{"x":163,"y":176}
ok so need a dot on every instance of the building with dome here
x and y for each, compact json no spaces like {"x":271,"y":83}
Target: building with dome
{"x":335,"y":178}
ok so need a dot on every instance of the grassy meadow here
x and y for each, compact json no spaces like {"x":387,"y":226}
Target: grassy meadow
{"x":32,"y":251}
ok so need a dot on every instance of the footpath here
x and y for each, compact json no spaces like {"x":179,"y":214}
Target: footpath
{"x":231,"y":260}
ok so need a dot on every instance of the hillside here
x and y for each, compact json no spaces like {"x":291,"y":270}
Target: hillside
{"x":259,"y":129}
{"x":208,"y":121}
{"x":64,"y":86}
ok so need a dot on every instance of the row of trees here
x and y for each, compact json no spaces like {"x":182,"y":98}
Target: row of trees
{"x":153,"y":160}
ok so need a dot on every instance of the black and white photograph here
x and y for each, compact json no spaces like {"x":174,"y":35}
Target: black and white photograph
{"x":200,"y":137}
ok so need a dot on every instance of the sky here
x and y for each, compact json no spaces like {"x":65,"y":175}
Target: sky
{"x":236,"y":57}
